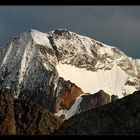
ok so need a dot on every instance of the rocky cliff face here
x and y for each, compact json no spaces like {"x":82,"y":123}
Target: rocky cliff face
{"x":119,"y":117}
{"x":90,"y":101}
{"x":83,"y":103}
{"x":67,"y":93}
{"x":22,"y":117}
{"x":7,"y":119}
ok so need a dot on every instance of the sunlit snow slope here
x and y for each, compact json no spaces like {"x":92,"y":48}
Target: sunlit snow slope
{"x":111,"y":81}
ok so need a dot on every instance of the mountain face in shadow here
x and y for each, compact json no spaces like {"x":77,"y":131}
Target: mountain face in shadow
{"x":20,"y":117}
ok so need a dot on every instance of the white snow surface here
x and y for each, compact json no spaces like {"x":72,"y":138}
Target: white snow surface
{"x":111,"y":81}
{"x":40,"y":37}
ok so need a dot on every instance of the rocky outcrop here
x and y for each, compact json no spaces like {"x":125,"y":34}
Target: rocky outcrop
{"x":90,"y":101}
{"x":7,"y":120}
{"x":66,"y":92}
{"x":32,"y":119}
{"x":114,"y":98}
{"x":119,"y":117}
{"x":20,"y":117}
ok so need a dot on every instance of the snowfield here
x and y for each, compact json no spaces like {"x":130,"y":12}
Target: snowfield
{"x":111,"y":81}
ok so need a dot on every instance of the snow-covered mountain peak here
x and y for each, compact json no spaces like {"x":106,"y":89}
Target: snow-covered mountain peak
{"x":65,"y":41}
{"x":33,"y":62}
{"x":39,"y":37}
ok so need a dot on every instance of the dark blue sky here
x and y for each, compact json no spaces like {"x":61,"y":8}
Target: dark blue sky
{"x":114,"y":25}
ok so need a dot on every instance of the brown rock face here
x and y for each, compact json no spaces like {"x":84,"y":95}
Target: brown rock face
{"x":90,"y":101}
{"x":67,"y":94}
{"x":32,"y":119}
{"x":7,"y":120}
{"x":25,"y":117}
{"x":100,"y":98}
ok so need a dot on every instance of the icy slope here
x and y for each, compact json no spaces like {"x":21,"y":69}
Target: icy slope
{"x":111,"y":81}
